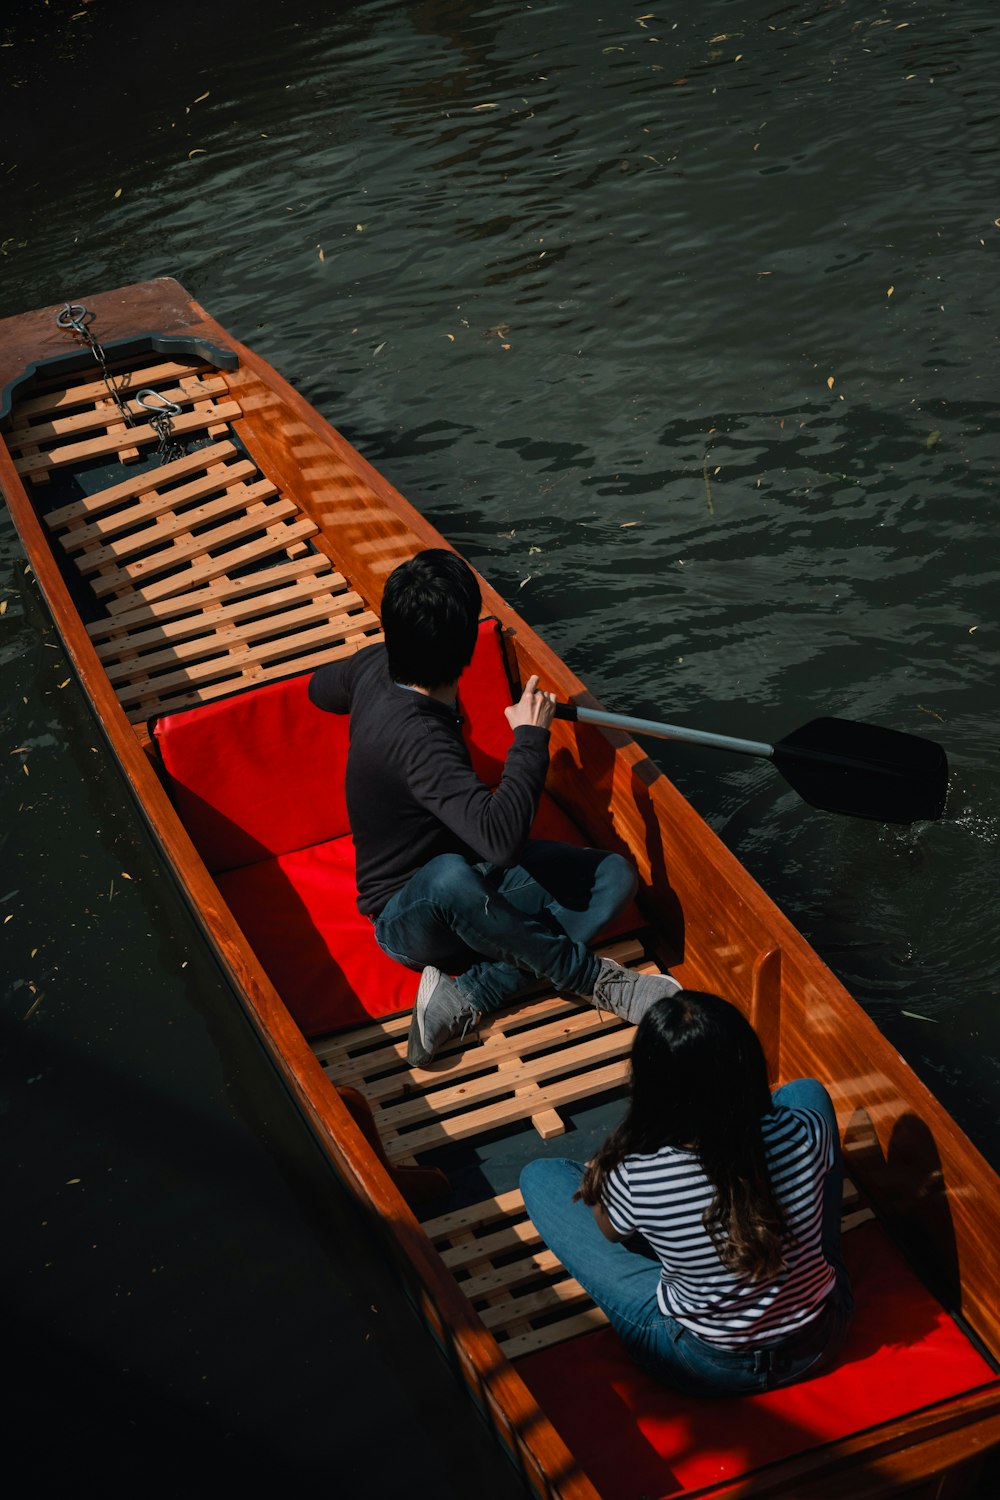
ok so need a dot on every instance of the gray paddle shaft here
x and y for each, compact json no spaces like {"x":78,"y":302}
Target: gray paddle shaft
{"x":670,"y":731}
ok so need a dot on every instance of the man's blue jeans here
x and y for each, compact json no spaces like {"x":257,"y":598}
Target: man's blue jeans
{"x":496,"y":928}
{"x":622,"y":1279}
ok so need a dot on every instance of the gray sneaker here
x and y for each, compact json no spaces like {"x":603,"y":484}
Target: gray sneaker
{"x":440,"y":1011}
{"x":629,"y":994}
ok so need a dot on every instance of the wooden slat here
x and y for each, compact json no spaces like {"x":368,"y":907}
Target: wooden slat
{"x":610,"y":1043}
{"x":139,"y":669}
{"x":262,"y":654}
{"x":553,"y":1296}
{"x":474,"y":1215}
{"x":174,"y":532}
{"x":155,"y":503}
{"x":290,"y":668}
{"x":312,"y":574}
{"x":279,"y":605}
{"x":527,"y":1268}
{"x":192,"y":549}
{"x":493,"y":1116}
{"x":63,"y":398}
{"x":104,"y":410}
{"x":89,"y":506}
{"x":208,"y":568}
{"x":553,"y":1333}
{"x":110,"y":445}
{"x":514,"y":1235}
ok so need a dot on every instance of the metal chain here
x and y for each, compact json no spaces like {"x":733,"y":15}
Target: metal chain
{"x":74,"y":315}
{"x":161,"y":413}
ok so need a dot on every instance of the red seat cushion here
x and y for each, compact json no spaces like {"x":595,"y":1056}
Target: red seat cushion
{"x":257,"y":774}
{"x":300,"y":913}
{"x":633,"y":1437}
{"x":483,"y":694}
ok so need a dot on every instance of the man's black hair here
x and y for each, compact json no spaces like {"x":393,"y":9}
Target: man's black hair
{"x":430,"y":614}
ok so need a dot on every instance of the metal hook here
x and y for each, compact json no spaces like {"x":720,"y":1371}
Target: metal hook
{"x":163,"y":407}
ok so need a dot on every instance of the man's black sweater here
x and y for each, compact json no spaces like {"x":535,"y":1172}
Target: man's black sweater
{"x":411,"y":791}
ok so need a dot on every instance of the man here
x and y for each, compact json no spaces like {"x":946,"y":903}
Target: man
{"x":445,"y":866}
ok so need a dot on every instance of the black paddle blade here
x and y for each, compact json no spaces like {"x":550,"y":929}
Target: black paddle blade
{"x":845,"y":767}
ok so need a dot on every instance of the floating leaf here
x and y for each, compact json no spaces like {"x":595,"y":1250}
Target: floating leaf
{"x":933,"y":438}
{"x":450,"y":336}
{"x":202,"y":96}
{"x":197,"y":151}
{"x":378,"y":348}
{"x":484,"y":106}
{"x":829,"y":382}
{"x":890,"y":291}
{"x":3,"y":606}
{"x":118,"y":192}
{"x":624,"y":525}
{"x":321,"y":255}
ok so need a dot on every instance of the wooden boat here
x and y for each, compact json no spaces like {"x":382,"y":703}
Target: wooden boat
{"x":202,"y":550}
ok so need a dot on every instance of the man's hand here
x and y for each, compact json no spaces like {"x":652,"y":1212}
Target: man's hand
{"x":535,"y":707}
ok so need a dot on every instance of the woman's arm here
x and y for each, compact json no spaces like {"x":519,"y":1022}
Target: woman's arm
{"x":605,"y":1225}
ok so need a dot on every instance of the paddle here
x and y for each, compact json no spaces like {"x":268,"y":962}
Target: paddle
{"x":835,"y":764}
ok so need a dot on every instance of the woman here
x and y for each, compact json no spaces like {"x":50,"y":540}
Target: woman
{"x":709,"y":1226}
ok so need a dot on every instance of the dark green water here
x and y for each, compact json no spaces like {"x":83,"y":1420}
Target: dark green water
{"x":587,"y":274}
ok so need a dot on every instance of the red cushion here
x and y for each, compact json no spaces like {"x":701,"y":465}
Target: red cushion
{"x":483,"y":694}
{"x":634,"y":1437}
{"x":257,"y":774}
{"x":300,"y":914}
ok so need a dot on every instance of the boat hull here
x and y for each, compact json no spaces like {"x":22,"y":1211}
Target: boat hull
{"x":709,"y":921}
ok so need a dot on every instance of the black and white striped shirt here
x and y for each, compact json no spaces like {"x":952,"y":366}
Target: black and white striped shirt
{"x":664,"y":1195}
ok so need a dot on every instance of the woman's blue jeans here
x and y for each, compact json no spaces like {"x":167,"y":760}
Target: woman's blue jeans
{"x":622,"y":1279}
{"x":496,"y":927}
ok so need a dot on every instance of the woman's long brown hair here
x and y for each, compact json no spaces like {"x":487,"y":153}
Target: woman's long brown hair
{"x":699,"y":1082}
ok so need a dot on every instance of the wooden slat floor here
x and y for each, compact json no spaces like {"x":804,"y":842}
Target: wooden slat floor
{"x":204,"y":567}
{"x":542,"y":1055}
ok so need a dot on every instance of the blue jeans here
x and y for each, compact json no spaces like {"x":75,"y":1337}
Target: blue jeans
{"x":622,"y":1279}
{"x":496,"y":928}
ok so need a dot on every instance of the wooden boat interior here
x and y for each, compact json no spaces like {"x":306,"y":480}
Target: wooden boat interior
{"x":200,"y":572}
